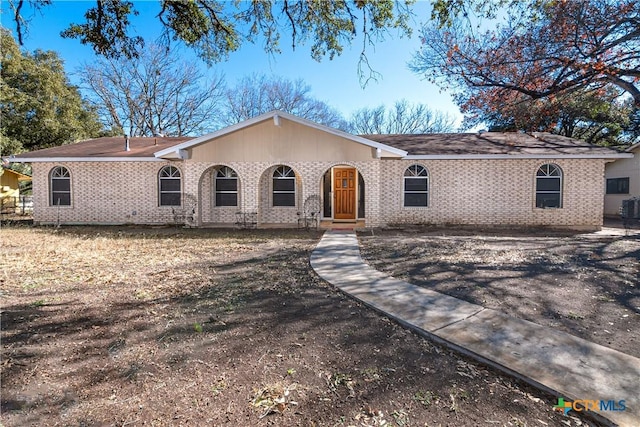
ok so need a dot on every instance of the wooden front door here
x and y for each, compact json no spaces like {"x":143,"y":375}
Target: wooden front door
{"x":344,"y":193}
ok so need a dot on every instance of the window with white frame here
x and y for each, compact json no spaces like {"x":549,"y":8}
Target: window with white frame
{"x":416,"y":186}
{"x":60,"y":187}
{"x":170,"y":186}
{"x":284,"y":186}
{"x":549,"y":186}
{"x":618,"y":186}
{"x":226,"y":187}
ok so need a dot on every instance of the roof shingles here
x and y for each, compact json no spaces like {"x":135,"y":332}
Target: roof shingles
{"x":108,"y":147}
{"x":443,"y":144}
{"x":489,"y":143}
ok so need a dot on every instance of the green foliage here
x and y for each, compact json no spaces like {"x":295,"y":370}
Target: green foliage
{"x":598,"y":117}
{"x":216,"y":28}
{"x":106,"y":29}
{"x":39,"y":108}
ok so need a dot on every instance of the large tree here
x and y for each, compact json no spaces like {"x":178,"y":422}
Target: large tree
{"x":598,"y":117}
{"x":215,"y":28}
{"x":541,"y":48}
{"x":154,"y":94}
{"x":257,"y":94}
{"x":402,"y":118}
{"x":39,"y":108}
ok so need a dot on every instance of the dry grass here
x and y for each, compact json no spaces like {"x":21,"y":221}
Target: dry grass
{"x":108,"y":326}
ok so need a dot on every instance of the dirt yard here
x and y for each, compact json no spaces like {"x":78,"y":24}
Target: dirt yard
{"x":585,"y":285}
{"x":167,"y":327}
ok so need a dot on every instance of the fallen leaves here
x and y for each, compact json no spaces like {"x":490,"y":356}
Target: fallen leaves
{"x":274,"y":399}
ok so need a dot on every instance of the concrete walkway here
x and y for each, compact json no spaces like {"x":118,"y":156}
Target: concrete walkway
{"x":560,"y":363}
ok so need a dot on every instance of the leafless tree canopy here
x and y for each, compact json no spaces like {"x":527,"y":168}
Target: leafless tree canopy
{"x":258,"y":94}
{"x":402,"y":118}
{"x":154,"y":94}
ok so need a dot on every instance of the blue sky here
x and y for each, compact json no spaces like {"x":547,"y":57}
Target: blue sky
{"x":335,"y":82}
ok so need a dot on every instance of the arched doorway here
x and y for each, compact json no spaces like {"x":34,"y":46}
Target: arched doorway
{"x":343,"y":194}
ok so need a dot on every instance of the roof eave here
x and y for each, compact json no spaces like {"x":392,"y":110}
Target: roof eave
{"x":633,"y":147}
{"x":18,"y":159}
{"x":514,"y":156}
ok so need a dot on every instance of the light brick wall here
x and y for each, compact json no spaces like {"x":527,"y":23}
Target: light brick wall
{"x":103,"y":193}
{"x":495,"y":192}
{"x":483,"y":192}
{"x":255,"y":190}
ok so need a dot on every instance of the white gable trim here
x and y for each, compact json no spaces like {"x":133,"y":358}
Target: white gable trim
{"x":276,"y":115}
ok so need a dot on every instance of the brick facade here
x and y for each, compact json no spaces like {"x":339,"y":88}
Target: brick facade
{"x":495,"y":192}
{"x":469,"y":192}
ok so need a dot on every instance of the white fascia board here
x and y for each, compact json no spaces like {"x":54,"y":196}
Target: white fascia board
{"x":83,"y":159}
{"x":515,"y":156}
{"x":270,"y":115}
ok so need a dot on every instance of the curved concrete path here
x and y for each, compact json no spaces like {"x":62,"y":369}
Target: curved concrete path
{"x":560,"y":363}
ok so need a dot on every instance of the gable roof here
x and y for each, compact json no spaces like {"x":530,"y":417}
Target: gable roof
{"x":275,"y":115}
{"x":103,"y":149}
{"x":489,"y":145}
{"x":495,"y":145}
{"x":20,"y":176}
{"x":633,"y":147}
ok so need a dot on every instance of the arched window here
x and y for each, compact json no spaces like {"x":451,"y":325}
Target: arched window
{"x":170,"y":186}
{"x":226,"y":187}
{"x":416,"y":186}
{"x":60,"y":186}
{"x":549,"y":186}
{"x":284,"y":186}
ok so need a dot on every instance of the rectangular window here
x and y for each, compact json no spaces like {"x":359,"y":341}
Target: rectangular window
{"x":548,"y":200}
{"x":284,"y":199}
{"x":284,"y":184}
{"x":227,"y":191}
{"x":226,"y":199}
{"x":416,"y":192}
{"x":170,"y":185}
{"x":415,"y":184}
{"x":548,"y":184}
{"x":61,"y":185}
{"x":284,"y":191}
{"x":415,"y":199}
{"x":61,"y":192}
{"x":170,"y":199}
{"x":618,"y":186}
{"x":226,"y":184}
{"x":61,"y":199}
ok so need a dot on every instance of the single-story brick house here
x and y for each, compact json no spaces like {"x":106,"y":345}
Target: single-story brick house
{"x":622,"y":181}
{"x":271,"y":166}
